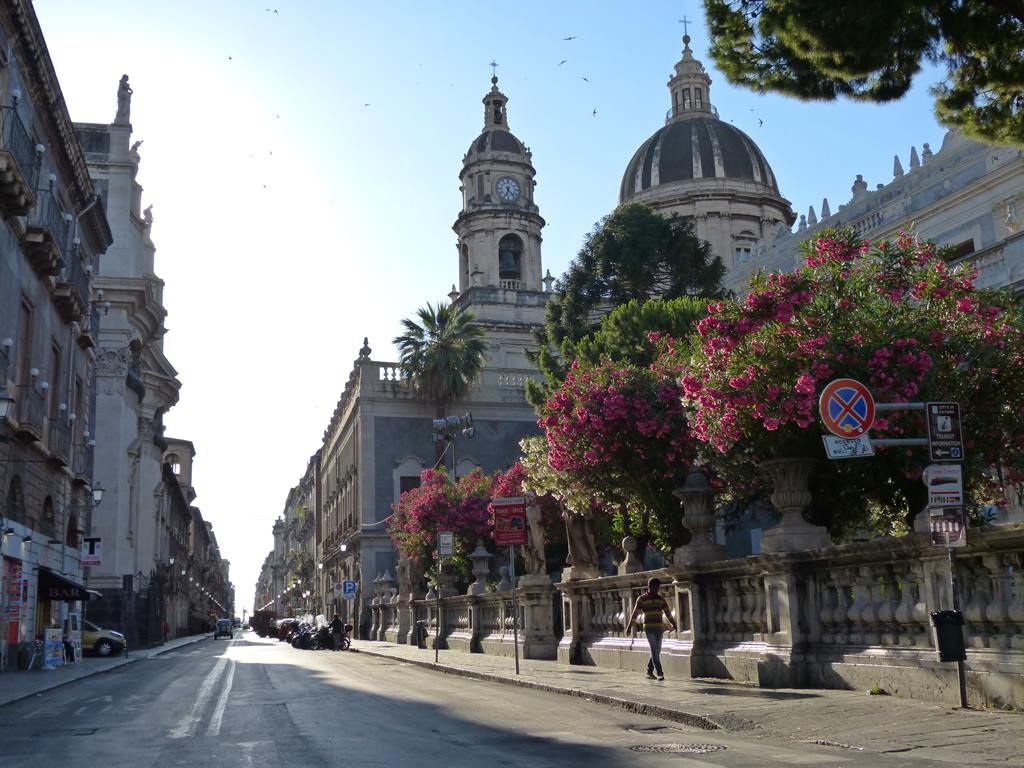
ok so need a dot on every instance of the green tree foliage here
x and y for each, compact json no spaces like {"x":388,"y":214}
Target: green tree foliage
{"x":633,"y":254}
{"x":871,"y":50}
{"x":442,"y":353}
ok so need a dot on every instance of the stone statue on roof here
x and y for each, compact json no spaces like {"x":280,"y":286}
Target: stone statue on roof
{"x":124,"y":102}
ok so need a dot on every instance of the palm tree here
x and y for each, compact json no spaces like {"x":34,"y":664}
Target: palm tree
{"x":442,"y":353}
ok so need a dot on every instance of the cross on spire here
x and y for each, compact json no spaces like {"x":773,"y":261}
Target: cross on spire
{"x":494,"y":68}
{"x":686,"y":25}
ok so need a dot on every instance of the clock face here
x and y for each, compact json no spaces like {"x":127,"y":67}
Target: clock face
{"x":507,"y":188}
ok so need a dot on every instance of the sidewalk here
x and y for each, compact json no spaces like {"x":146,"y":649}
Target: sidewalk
{"x":844,"y":719}
{"x":18,"y":684}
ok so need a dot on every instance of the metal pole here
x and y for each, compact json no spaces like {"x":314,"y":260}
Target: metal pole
{"x":437,"y":628}
{"x":515,"y":604}
{"x":960,"y":673}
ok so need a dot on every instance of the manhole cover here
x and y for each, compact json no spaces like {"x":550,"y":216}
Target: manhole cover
{"x":687,"y":749}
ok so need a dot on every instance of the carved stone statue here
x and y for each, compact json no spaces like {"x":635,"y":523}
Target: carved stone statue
{"x":404,"y":576}
{"x":580,"y":534}
{"x":124,"y":102}
{"x":533,"y":552}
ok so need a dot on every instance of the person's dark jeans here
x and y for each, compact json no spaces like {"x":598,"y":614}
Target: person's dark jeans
{"x":654,"y":640}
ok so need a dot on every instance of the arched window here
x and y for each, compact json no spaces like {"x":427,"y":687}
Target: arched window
{"x":48,"y":520}
{"x":464,"y":264}
{"x":71,"y":536}
{"x":510,"y":258}
{"x":172,"y":459}
{"x":15,"y":507}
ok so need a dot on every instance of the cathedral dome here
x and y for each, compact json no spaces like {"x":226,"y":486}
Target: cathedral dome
{"x":495,"y":140}
{"x":695,"y":147}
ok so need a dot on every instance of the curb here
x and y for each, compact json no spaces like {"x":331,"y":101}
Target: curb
{"x":654,"y":710}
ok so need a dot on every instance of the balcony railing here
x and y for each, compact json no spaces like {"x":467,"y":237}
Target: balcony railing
{"x":82,"y":462}
{"x":511,"y":285}
{"x":31,"y":404}
{"x":45,"y":237}
{"x":72,"y":292}
{"x":688,"y":108}
{"x":19,"y":165}
{"x":89,"y":332}
{"x":60,"y":441}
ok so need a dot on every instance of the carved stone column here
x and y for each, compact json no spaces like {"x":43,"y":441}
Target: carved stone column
{"x":536,"y":596}
{"x":791,"y":496}
{"x":697,"y":497}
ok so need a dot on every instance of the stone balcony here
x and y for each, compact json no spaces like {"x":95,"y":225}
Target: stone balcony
{"x":19,"y":165}
{"x":45,"y":236}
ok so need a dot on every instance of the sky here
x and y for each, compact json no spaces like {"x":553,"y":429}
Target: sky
{"x":302,"y":162}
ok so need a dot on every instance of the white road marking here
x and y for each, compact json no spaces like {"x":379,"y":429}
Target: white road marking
{"x":218,"y":712}
{"x":190,"y":723}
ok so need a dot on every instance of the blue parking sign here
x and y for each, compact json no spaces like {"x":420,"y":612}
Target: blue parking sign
{"x":349,"y":589}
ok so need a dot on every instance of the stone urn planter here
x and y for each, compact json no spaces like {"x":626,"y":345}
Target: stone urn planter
{"x":791,"y":496}
{"x":697,"y":497}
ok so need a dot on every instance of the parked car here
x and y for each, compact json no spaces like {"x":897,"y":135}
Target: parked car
{"x":223,"y":629}
{"x":102,"y":642}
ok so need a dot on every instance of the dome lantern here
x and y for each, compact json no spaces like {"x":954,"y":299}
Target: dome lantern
{"x":690,"y":88}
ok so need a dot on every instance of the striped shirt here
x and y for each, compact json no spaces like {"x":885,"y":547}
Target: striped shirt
{"x":653,"y":608}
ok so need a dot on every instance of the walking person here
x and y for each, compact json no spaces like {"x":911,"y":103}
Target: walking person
{"x":337,"y":630}
{"x":655,"y":610}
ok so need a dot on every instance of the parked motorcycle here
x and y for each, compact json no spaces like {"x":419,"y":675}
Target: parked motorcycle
{"x":303,"y":637}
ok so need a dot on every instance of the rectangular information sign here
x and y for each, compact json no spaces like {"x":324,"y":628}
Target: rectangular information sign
{"x":945,"y":438}
{"x":445,"y":543}
{"x":509,"y":521}
{"x":92,"y":551}
{"x":847,"y":447}
{"x":945,"y":485}
{"x":947,"y":528}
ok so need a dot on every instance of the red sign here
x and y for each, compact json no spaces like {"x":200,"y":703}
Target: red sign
{"x":847,"y":408}
{"x":509,"y":521}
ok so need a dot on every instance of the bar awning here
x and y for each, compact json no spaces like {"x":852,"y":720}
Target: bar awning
{"x":53,"y":586}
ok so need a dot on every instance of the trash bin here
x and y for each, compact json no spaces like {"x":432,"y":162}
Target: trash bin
{"x":948,"y":635}
{"x":421,"y":634}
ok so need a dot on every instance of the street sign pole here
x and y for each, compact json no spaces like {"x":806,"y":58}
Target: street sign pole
{"x":515,"y":604}
{"x":437,"y":628}
{"x":961,"y":675}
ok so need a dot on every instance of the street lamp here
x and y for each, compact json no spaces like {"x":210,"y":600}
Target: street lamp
{"x":6,"y":404}
{"x":448,"y":428}
{"x":97,"y":493}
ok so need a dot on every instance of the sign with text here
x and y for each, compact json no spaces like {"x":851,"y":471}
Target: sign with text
{"x":945,"y":438}
{"x":509,"y":520}
{"x":349,"y":589}
{"x":945,"y":485}
{"x":946,"y":525}
{"x":445,"y":543}
{"x":847,"y":408}
{"x":847,"y":448}
{"x":53,"y":648}
{"x":92,"y":551}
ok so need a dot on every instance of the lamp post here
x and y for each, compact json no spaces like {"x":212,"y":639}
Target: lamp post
{"x":448,"y":428}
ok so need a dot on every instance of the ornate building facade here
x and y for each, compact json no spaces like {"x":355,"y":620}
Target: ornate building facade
{"x":52,"y":232}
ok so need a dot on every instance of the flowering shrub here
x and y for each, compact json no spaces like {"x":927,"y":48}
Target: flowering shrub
{"x":894,"y":316}
{"x":620,"y":433}
{"x":441,"y":505}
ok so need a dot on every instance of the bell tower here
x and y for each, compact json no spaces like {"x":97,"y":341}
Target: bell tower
{"x":499,"y":226}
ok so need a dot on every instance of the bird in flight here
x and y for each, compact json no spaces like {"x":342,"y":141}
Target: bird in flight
{"x":595,"y":113}
{"x":366,"y":104}
{"x":570,"y":37}
{"x":760,"y":122}
{"x":562,"y":62}
{"x":586,"y":80}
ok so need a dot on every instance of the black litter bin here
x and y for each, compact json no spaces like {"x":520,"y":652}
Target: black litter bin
{"x":948,"y":634}
{"x":421,"y":634}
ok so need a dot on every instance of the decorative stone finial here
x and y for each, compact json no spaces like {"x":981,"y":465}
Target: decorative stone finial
{"x":812,"y":219}
{"x":825,"y":210}
{"x":364,"y":353}
{"x":453,"y":294}
{"x":897,"y":167}
{"x":803,"y":223}
{"x":926,"y":153}
{"x":915,"y":162}
{"x":548,"y":281}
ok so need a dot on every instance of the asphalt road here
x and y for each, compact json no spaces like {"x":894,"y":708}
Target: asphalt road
{"x":253,"y":702}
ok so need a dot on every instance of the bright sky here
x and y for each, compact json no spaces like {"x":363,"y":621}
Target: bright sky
{"x":303,"y":164}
